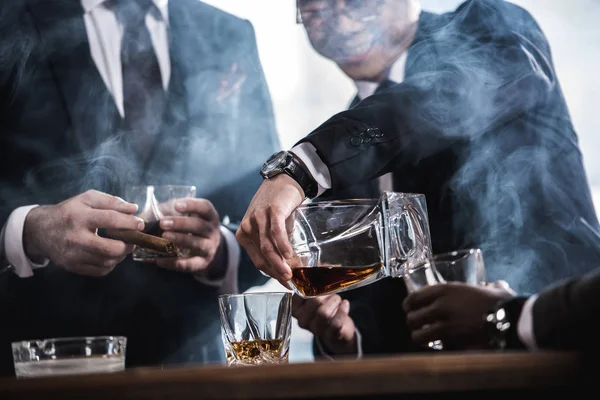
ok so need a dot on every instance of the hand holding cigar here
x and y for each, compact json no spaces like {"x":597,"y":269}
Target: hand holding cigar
{"x":149,"y":242}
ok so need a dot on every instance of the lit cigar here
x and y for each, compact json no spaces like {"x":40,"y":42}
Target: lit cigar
{"x":141,"y":239}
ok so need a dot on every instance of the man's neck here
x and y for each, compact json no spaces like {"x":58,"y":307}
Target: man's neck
{"x":397,"y":53}
{"x":395,"y":73}
{"x":394,"y":68}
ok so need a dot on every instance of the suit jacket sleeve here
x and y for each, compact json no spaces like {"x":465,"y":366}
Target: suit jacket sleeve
{"x":16,"y":43}
{"x":564,"y":316}
{"x":488,"y":75}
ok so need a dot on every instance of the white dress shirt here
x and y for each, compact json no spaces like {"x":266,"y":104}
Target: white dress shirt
{"x":525,"y":324}
{"x":104,"y":33}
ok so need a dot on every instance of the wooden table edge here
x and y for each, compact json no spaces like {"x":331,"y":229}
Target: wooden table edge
{"x":423,"y":373}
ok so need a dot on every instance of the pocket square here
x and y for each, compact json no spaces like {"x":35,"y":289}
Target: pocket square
{"x":231,"y":82}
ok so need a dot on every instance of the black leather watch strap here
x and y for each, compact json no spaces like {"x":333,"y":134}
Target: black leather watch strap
{"x":502,"y":321}
{"x":299,"y":172}
{"x":289,"y":163}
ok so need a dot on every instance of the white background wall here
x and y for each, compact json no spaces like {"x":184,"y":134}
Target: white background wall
{"x":307,"y":89}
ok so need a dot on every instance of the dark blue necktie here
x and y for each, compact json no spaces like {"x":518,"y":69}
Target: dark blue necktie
{"x":143,"y":95}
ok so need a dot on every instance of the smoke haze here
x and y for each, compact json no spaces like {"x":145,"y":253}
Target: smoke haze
{"x":61,"y":133}
{"x":573,"y":35}
{"x":307,"y":90}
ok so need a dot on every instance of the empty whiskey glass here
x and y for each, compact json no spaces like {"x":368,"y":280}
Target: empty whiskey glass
{"x":464,"y":265}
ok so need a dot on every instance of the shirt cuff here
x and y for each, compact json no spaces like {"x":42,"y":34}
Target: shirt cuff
{"x":13,"y":243}
{"x":327,"y":355}
{"x":525,"y":325}
{"x":229,"y":282}
{"x":5,"y":267}
{"x":316,"y":167}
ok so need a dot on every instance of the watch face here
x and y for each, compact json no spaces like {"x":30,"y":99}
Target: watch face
{"x":274,"y":164}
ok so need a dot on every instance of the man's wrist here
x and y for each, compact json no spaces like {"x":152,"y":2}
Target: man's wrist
{"x":319,"y":171}
{"x":339,"y":347}
{"x":285,"y":179}
{"x":217,"y":269}
{"x":13,"y":242}
{"x":288,"y":163}
{"x":310,"y":190}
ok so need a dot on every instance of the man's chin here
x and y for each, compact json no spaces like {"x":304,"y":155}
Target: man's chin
{"x":365,"y":71}
{"x":351,"y":60}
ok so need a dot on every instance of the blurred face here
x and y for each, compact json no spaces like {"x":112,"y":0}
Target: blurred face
{"x":362,"y":36}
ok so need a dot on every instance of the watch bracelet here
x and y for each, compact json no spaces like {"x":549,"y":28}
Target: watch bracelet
{"x":501,"y":323}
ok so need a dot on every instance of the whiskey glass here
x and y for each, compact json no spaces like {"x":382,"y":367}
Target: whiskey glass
{"x":344,"y":244}
{"x":256,"y":327}
{"x":465,"y":265}
{"x":69,"y":356}
{"x":154,"y":203}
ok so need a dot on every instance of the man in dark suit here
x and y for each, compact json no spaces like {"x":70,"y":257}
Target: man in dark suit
{"x":104,"y":95}
{"x":478,"y":124}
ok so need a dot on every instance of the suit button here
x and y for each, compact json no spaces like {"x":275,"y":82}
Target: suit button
{"x":372,"y":132}
{"x":356,"y":141}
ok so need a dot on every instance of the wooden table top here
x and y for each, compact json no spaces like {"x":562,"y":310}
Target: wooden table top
{"x":423,"y":373}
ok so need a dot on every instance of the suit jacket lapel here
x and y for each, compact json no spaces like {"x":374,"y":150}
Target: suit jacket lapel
{"x":194,"y":64}
{"x":422,"y":53}
{"x":165,"y":154}
{"x":170,"y":143}
{"x":63,"y":36}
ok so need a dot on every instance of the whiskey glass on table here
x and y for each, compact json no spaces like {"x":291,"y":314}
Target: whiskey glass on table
{"x":256,"y":327}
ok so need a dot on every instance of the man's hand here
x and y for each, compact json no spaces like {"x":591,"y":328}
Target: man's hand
{"x":328,"y":319}
{"x":263,"y":232}
{"x":66,"y":233}
{"x":198,"y":231}
{"x":451,"y":312}
{"x":501,"y":285}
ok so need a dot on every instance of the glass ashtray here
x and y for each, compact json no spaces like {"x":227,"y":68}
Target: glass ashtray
{"x":69,"y":356}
